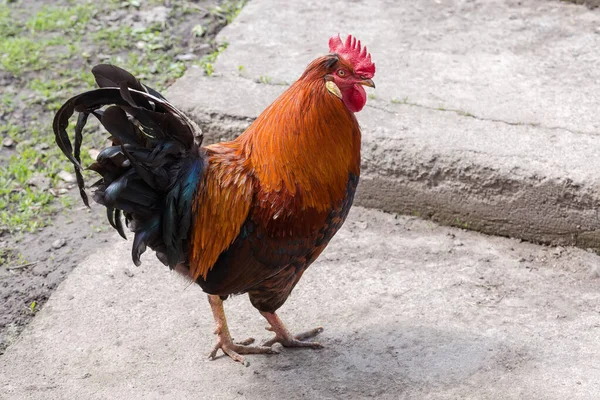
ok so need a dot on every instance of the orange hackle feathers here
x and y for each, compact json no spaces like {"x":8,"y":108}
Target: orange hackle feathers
{"x":295,"y":160}
{"x":221,"y":206}
{"x":306,"y":143}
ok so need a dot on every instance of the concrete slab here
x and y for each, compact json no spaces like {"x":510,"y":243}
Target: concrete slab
{"x":485,"y":113}
{"x":532,"y":62}
{"x":411,"y":311}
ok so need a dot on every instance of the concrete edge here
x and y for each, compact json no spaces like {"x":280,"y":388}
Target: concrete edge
{"x":471,"y":194}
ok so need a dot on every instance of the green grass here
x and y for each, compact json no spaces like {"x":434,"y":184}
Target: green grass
{"x":20,"y":54}
{"x":400,"y":101}
{"x":207,"y":62}
{"x":10,"y":256}
{"x":150,"y":57}
{"x":115,"y":38}
{"x":8,"y":27}
{"x":60,"y":18}
{"x":46,"y":37}
{"x":7,"y":101}
{"x":49,"y":52}
{"x":229,"y":10}
{"x":22,"y":205}
{"x":26,"y":207}
{"x":265,"y":79}
{"x":464,"y":113}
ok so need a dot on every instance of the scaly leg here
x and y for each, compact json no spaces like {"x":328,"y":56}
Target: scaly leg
{"x":225,"y":342}
{"x":283,"y":336}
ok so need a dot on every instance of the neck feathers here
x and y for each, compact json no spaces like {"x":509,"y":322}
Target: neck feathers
{"x":306,"y":143}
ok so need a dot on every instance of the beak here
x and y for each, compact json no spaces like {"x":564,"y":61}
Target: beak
{"x":367,"y":82}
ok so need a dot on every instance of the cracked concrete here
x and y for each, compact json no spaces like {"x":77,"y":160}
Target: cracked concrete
{"x":483,"y":57}
{"x":469,"y":115}
{"x":497,"y":129}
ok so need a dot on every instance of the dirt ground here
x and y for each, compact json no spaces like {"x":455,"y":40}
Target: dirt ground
{"x":34,"y":260}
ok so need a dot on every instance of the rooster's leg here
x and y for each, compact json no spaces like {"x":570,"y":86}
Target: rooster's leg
{"x":225,"y":342}
{"x":283,"y":336}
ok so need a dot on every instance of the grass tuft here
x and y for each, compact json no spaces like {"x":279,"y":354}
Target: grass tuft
{"x":46,"y":54}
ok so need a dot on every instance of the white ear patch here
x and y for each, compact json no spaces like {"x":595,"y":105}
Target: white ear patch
{"x":333,"y":88}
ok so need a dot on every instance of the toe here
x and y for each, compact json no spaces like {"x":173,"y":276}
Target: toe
{"x":235,"y":356}
{"x":254,"y":349}
{"x":213,"y":353}
{"x":298,"y":343}
{"x":246,"y":342}
{"x":309,"y":334}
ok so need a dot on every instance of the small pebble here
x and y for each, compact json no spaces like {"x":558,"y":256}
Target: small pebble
{"x":66,"y":176}
{"x":58,"y":243}
{"x":8,"y":142}
{"x":185,"y":57}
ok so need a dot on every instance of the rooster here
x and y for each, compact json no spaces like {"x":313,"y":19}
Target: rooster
{"x":246,"y":216}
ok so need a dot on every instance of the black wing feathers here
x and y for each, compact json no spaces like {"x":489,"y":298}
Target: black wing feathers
{"x":150,"y":172}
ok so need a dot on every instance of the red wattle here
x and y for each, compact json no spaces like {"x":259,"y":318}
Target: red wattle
{"x":355,"y":98}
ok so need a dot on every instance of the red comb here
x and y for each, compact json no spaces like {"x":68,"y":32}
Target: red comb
{"x":352,"y":52}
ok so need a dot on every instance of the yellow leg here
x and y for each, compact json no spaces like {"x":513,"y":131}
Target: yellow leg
{"x":225,"y":342}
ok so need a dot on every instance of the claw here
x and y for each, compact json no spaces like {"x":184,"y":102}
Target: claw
{"x":309,"y":334}
{"x":246,"y":342}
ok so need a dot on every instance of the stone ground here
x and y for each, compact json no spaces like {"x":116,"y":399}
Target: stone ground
{"x":411,"y":310}
{"x":485,"y":117}
{"x":485,"y":114}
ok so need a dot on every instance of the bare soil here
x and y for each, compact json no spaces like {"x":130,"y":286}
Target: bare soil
{"x":49,"y":255}
{"x":33,"y":264}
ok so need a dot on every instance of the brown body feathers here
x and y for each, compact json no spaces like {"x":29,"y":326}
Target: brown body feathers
{"x":271,"y":198}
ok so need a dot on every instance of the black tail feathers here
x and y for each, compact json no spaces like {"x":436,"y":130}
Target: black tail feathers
{"x":151,"y":171}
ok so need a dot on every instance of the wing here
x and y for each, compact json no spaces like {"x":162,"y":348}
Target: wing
{"x":242,"y":235}
{"x":221,"y":207}
{"x":278,"y":234}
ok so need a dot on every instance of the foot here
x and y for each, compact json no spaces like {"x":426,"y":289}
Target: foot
{"x":225,"y":342}
{"x":287,"y":340}
{"x":235,"y":350}
{"x":283,"y":336}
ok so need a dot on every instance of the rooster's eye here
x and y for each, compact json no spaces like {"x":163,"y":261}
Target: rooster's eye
{"x":341,"y":73}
